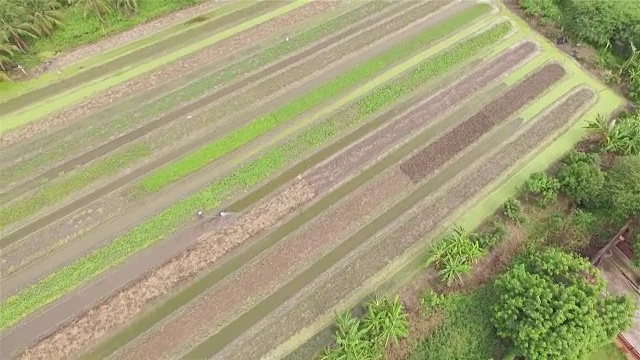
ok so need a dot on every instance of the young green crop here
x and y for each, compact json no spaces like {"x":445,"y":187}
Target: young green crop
{"x":54,"y":192}
{"x":129,"y":119}
{"x":243,"y":135}
{"x":66,"y":279}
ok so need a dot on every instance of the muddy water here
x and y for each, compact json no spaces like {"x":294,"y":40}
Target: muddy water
{"x":154,"y":50}
{"x":225,"y":336}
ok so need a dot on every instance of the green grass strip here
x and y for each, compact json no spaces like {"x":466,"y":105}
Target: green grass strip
{"x":126,"y":120}
{"x":202,"y":157}
{"x":51,"y":193}
{"x":158,"y":227}
{"x":312,"y":138}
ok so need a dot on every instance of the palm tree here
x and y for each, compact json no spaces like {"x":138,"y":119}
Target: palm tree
{"x":15,"y":24}
{"x":128,"y":7}
{"x":7,"y":50}
{"x":45,"y":14}
{"x":98,"y":7}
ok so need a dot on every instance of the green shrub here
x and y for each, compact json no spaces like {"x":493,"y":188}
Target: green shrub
{"x":543,"y":187}
{"x":581,"y":181}
{"x":492,"y":236}
{"x":512,"y":209}
{"x":544,"y":10}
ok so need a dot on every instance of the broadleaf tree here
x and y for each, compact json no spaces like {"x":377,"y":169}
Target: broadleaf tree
{"x":554,"y":305}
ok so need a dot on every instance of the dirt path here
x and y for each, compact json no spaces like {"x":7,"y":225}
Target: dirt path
{"x":357,"y":267}
{"x":135,"y":57}
{"x":256,"y":88}
{"x":163,"y":75}
{"x":351,"y":152}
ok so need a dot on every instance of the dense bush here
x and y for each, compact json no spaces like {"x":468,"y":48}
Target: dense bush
{"x":621,"y":191}
{"x":543,"y":188}
{"x":512,"y":209}
{"x":613,"y":27}
{"x":581,"y":181}
{"x":552,"y":305}
{"x":605,"y":23}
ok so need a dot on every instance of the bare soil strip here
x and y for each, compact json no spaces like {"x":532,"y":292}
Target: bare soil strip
{"x":336,"y":284}
{"x":249,"y":91}
{"x":345,"y":62}
{"x":433,"y":108}
{"x":473,"y":128}
{"x":160,"y":48}
{"x":165,"y":74}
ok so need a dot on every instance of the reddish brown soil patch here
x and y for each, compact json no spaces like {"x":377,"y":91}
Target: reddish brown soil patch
{"x":492,"y":115}
{"x":356,"y":268}
{"x":423,"y":114}
{"x":169,"y":72}
{"x":92,"y":325}
{"x":262,"y":276}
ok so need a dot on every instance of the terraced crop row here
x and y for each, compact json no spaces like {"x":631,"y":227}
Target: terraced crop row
{"x":322,"y":163}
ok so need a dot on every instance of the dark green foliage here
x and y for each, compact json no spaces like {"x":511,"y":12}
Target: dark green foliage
{"x":384,"y":322}
{"x":605,"y":23}
{"x":430,"y":302}
{"x":581,"y":181}
{"x":621,"y":192}
{"x":581,"y":157}
{"x":543,"y":187}
{"x":551,"y":306}
{"x":512,"y":209}
{"x":620,"y":136}
{"x":636,"y":251}
{"x":543,"y":10}
{"x":494,"y":234}
{"x":467,"y":332}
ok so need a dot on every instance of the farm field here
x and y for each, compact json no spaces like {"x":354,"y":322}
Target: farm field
{"x":327,"y":143}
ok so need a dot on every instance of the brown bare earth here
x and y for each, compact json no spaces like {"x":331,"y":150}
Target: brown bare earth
{"x":70,"y":115}
{"x":93,"y":325}
{"x":263,"y":275}
{"x":354,"y":269}
{"x":423,"y":114}
{"x":494,"y":113}
{"x":85,"y":222}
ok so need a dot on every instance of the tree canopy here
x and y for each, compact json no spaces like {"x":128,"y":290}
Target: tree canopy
{"x":553,"y":305}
